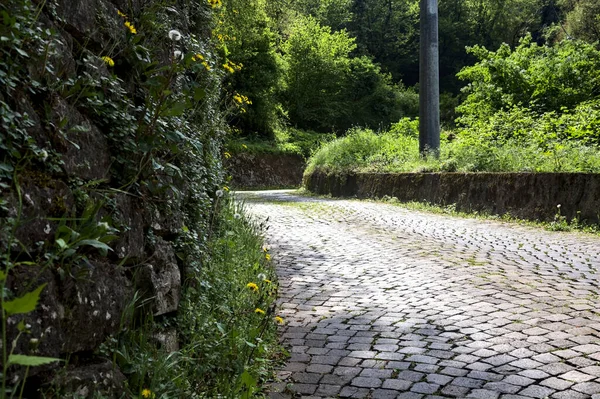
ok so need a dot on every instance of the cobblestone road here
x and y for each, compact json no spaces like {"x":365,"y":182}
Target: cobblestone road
{"x":383,"y":302}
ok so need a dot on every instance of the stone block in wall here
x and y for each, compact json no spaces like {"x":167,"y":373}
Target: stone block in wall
{"x":167,"y":225}
{"x":76,"y":312}
{"x":168,"y":340}
{"x":159,"y":279}
{"x":92,"y":380}
{"x":42,"y":197}
{"x":96,"y":20}
{"x":131,"y":242}
{"x":83,"y":146}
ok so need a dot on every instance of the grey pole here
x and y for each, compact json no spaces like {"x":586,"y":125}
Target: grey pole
{"x":429,"y":79}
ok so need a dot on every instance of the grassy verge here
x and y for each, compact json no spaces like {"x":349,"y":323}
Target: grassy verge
{"x":286,"y":141}
{"x":398,"y":151}
{"x":226,"y":322}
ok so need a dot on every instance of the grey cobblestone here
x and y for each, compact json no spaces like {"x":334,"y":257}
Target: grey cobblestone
{"x":383,"y":302}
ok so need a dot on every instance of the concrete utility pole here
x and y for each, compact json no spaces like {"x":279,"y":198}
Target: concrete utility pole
{"x":429,"y":79}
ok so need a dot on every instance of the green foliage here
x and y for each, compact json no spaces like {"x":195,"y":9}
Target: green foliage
{"x":581,"y":20}
{"x":220,"y":319}
{"x":351,"y":90}
{"x":470,"y":151}
{"x":246,"y":38}
{"x":542,"y":78}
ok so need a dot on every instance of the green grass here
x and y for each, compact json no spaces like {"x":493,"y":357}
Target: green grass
{"x":286,"y":141}
{"x":398,"y":151}
{"x":228,"y":349}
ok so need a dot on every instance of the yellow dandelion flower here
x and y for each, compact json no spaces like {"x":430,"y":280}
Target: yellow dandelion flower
{"x":267,"y":257}
{"x":267,"y":281}
{"x":225,"y":188}
{"x":265,"y":249}
{"x":146,"y":393}
{"x":108,"y":61}
{"x":279,"y":320}
{"x":259,"y":311}
{"x":131,"y":28}
{"x":244,"y":146}
{"x":252,"y":286}
{"x":238,"y":99}
{"x":227,"y":155}
{"x":200,"y":57}
{"x":121,"y":14}
{"x":206,"y":65}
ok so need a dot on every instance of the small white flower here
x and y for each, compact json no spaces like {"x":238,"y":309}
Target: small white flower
{"x":178,"y":55}
{"x":237,"y":216}
{"x":558,"y":206}
{"x":219,"y":193}
{"x":44,"y":155}
{"x":261,"y":276}
{"x":174,"y":35}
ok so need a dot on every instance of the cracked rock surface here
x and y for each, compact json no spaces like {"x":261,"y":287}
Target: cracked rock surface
{"x":384,"y":302}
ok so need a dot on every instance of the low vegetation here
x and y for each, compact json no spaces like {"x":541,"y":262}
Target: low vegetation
{"x":531,"y":109}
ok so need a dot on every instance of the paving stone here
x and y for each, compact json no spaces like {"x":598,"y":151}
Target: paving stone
{"x":328,"y":390}
{"x":384,"y":394}
{"x":366,"y":382}
{"x":424,"y":387}
{"x":438,"y":379}
{"x":536,"y":391}
{"x":455,"y":391}
{"x":576,"y":376}
{"x":502,"y":387}
{"x":370,"y":291}
{"x":556,"y":383}
{"x":468,"y":382}
{"x":588,"y":388}
{"x":483,"y":394}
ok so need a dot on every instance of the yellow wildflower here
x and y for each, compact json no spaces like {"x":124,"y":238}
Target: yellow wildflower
{"x":131,"y":28}
{"x":238,"y":99}
{"x":225,"y":188}
{"x":121,"y":14}
{"x":252,"y":286}
{"x":146,"y":393}
{"x":214,"y":3}
{"x":244,"y":146}
{"x":259,"y":311}
{"x":265,"y":249}
{"x":267,"y":281}
{"x":228,"y":68}
{"x":227,"y":155}
{"x":206,"y":65}
{"x":108,"y":61}
{"x":200,"y":57}
{"x":267,"y":257}
{"x":279,"y":320}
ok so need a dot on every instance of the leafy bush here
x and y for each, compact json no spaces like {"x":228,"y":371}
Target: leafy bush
{"x":330,"y":90}
{"x":542,"y":78}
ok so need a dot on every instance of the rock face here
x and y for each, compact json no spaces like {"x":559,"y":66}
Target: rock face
{"x":523,"y":195}
{"x":89,"y":289}
{"x":160,"y":280}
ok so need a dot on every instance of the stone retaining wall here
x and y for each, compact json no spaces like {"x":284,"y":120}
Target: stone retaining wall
{"x":254,"y":171}
{"x":523,"y":195}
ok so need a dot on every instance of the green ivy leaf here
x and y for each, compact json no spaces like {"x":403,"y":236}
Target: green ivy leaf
{"x":24,"y":304}
{"x":102,"y":247}
{"x":24,"y":360}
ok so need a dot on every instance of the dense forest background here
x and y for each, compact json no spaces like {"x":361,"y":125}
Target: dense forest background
{"x":332,"y":64}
